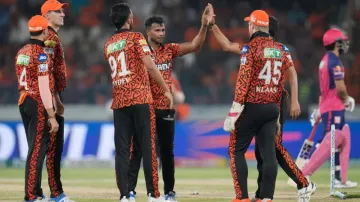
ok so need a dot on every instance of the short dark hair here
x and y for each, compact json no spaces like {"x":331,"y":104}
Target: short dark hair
{"x":330,"y":47}
{"x":273,"y":26}
{"x":119,"y":14}
{"x":154,"y":19}
{"x":38,"y":33}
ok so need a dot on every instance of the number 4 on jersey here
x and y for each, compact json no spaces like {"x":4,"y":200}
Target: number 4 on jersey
{"x":114,"y":65}
{"x":266,"y":74}
{"x":22,"y":79}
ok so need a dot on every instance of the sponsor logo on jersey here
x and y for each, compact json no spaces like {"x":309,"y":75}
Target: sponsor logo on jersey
{"x":23,"y":60}
{"x":42,"y":57}
{"x":117,"y":46}
{"x":272,"y":53}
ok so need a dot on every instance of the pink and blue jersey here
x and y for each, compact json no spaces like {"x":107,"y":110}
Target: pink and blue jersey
{"x":331,"y":107}
{"x":330,"y":69}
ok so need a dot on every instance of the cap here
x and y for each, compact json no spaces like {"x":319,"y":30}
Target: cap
{"x":37,"y":23}
{"x":52,"y":5}
{"x":259,"y":18}
{"x":332,"y":35}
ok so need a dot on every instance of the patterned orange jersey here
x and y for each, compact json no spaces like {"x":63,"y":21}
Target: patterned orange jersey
{"x":263,"y":64}
{"x":55,"y":51}
{"x":164,"y":61}
{"x":130,"y":79}
{"x":31,"y":62}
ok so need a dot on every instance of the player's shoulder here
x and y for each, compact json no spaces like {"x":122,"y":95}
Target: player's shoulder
{"x":170,"y":45}
{"x":23,"y":56}
{"x":332,"y":60}
{"x":244,"y":48}
{"x":283,"y":47}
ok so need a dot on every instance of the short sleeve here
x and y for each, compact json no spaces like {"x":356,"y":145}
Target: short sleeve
{"x":288,"y":62}
{"x":42,"y":63}
{"x":141,"y":46}
{"x":175,"y":48}
{"x":336,"y":70}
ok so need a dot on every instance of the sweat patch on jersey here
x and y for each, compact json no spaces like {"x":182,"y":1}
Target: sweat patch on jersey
{"x":245,"y":49}
{"x":272,"y":53}
{"x":23,"y":60}
{"x":117,"y":46}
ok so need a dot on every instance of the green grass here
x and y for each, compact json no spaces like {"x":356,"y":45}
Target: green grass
{"x":212,"y":184}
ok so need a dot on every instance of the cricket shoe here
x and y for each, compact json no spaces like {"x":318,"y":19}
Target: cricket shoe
{"x":311,"y":185}
{"x":152,"y":199}
{"x":254,"y":199}
{"x":264,"y":200}
{"x":348,"y":184}
{"x":124,"y":199}
{"x":170,"y":197}
{"x":39,"y":199}
{"x":42,"y":198}
{"x":304,"y":194}
{"x":242,"y":200}
{"x":61,"y":198}
{"x":132,"y":197}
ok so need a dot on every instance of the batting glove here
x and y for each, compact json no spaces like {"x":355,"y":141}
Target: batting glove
{"x":349,"y":104}
{"x":233,"y":116}
{"x":315,"y":117}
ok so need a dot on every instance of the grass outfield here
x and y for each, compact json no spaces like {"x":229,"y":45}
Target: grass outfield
{"x":212,"y":185}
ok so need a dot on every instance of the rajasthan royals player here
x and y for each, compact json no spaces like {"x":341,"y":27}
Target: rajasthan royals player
{"x":334,"y":100}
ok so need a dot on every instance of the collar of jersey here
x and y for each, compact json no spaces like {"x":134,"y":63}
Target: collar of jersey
{"x":121,"y":30}
{"x":36,"y":41}
{"x":52,"y":29}
{"x":259,"y":34}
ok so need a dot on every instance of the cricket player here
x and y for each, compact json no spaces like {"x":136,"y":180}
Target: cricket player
{"x":164,"y":54}
{"x":333,"y":101}
{"x":283,"y":157}
{"x":305,"y":188}
{"x":255,"y":110}
{"x":34,"y":71}
{"x":53,"y":11}
{"x":129,"y":58}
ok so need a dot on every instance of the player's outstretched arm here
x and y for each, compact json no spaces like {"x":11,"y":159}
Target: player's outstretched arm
{"x":156,"y":75}
{"x":198,"y":41}
{"x":224,"y":42}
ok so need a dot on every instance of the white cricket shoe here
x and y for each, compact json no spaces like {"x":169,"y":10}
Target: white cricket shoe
{"x":132,"y":197}
{"x":347,"y":185}
{"x":124,"y":199}
{"x":152,"y":199}
{"x":170,"y":197}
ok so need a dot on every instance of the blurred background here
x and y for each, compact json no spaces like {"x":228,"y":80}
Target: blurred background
{"x":207,"y":77}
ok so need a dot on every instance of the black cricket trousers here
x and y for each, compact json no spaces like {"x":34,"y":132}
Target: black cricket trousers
{"x":41,"y":143}
{"x":137,"y":123}
{"x":165,"y":127}
{"x":257,"y":120}
{"x":283,"y":157}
